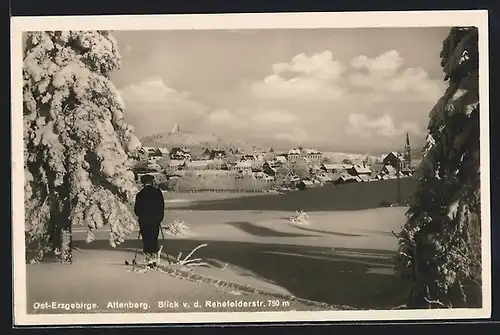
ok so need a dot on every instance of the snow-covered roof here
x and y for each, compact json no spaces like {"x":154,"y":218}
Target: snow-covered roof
{"x":394,"y":153}
{"x":243,"y":165}
{"x":257,"y":163}
{"x":199,"y":163}
{"x":175,"y":162}
{"x":303,"y":151}
{"x":362,"y":169}
{"x":342,"y":176}
{"x":333,"y":166}
{"x":311,"y":151}
{"x":163,"y":150}
{"x":365,"y":177}
{"x":390,"y":169}
{"x":148,"y":149}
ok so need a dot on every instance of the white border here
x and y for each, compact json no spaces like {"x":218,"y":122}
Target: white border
{"x":477,"y":18}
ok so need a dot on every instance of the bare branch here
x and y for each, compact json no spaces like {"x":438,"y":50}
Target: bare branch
{"x":193,"y":251}
{"x":435,"y":302}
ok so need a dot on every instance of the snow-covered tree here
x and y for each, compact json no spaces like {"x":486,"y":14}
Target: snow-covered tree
{"x":326,"y":160}
{"x":440,"y":244}
{"x":368,"y":160}
{"x":77,"y":145}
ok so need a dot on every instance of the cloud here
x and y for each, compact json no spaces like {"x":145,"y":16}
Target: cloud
{"x":256,"y":118}
{"x":257,"y":123}
{"x":295,"y":135}
{"x":222,"y":116}
{"x":310,"y":99}
{"x":128,"y":48}
{"x":371,"y":99}
{"x":151,"y":106}
{"x":387,"y":63}
{"x":303,"y":78}
{"x":319,"y":65}
{"x":362,"y":125}
{"x":386,"y":76}
{"x":275,"y":117}
{"x":321,"y":77}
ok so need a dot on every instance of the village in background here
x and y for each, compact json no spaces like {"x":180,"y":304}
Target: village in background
{"x":206,"y":168}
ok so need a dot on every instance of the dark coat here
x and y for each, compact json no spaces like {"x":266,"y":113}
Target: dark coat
{"x":149,"y":207}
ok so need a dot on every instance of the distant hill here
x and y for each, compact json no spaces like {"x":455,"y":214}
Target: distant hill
{"x":195,"y":141}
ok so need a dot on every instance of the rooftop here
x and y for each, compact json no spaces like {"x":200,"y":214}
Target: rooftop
{"x":303,"y":151}
{"x":244,"y":165}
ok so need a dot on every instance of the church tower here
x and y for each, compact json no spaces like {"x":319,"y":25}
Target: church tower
{"x":407,"y":154}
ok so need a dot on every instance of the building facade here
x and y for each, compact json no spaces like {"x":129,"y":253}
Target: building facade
{"x":311,"y":155}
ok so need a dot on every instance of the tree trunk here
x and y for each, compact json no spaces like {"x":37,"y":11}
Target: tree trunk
{"x":66,"y":244}
{"x":66,"y":233}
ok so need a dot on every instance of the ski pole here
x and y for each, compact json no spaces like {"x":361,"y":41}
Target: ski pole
{"x":135,"y":255}
{"x":163,"y":240}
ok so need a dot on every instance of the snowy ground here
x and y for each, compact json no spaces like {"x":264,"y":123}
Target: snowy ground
{"x":339,"y":258}
{"x":101,"y":280}
{"x":99,"y":277}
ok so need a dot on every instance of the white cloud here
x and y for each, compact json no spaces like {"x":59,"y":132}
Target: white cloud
{"x":252,"y":118}
{"x":295,"y":135}
{"x":152,"y":106}
{"x":320,"y":65}
{"x":258,"y":122}
{"x":410,"y":84}
{"x":303,"y":78}
{"x":321,"y":77}
{"x":362,"y":125}
{"x":387,"y":63}
{"x":313,"y":98}
{"x":273,"y":116}
{"x":222,"y":116}
{"x":319,"y":91}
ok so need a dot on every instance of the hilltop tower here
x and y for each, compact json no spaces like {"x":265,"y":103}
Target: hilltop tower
{"x":407,"y":154}
{"x":175,"y":129}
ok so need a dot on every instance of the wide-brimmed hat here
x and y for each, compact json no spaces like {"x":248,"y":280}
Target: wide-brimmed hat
{"x":147,"y":179}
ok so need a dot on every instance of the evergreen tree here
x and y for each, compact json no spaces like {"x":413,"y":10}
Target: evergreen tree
{"x":440,"y":244}
{"x":77,"y":145}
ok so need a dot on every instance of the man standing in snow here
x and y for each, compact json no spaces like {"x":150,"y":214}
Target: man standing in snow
{"x":150,"y":209}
